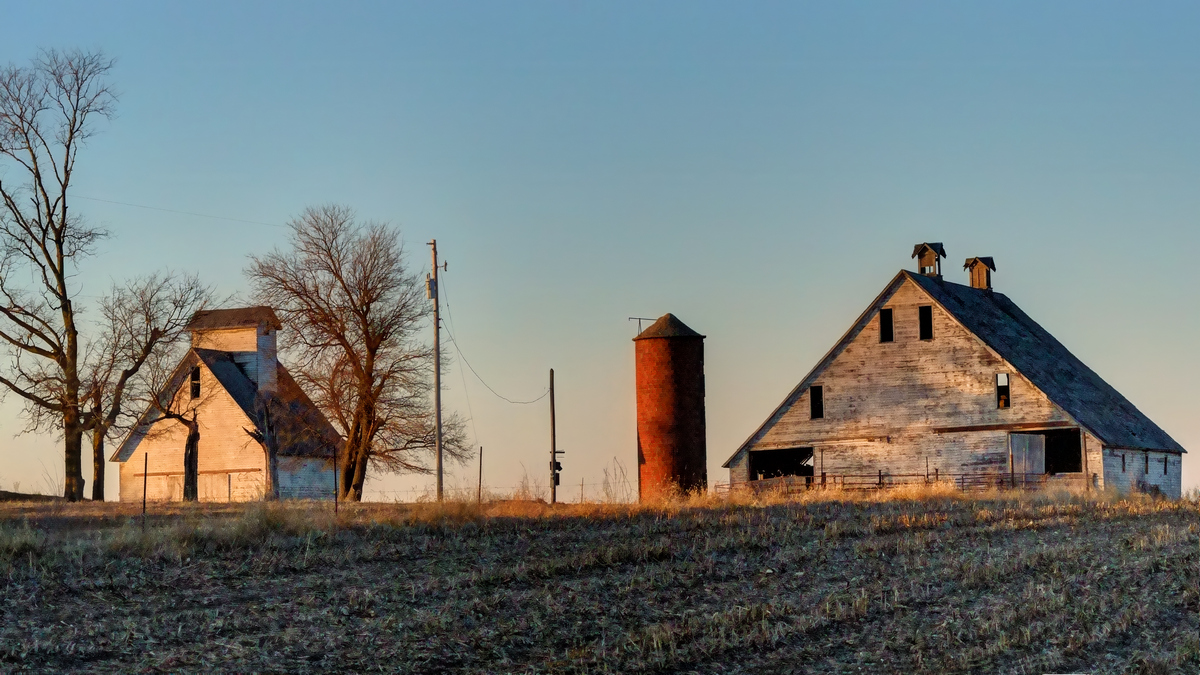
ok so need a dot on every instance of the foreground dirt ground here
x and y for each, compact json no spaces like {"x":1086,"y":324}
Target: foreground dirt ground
{"x":890,"y":583}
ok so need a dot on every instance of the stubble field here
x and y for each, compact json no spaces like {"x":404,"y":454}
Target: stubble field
{"x":900,"y":582}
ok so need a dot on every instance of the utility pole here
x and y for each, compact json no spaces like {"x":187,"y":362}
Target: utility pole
{"x":555,"y":467}
{"x":479,"y":490}
{"x":431,"y":290}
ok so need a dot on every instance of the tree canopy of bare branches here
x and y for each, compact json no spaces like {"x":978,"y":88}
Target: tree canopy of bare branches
{"x":143,"y":318}
{"x":47,"y":111}
{"x":353,"y":312}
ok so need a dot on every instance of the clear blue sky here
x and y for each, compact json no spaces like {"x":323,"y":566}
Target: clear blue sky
{"x":761,"y":170}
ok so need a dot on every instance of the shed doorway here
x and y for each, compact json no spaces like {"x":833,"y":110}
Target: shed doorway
{"x":1049,"y":452}
{"x":766,"y":464}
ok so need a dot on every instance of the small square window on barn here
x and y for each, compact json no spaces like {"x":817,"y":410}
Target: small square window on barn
{"x":196,"y":382}
{"x":816,"y":403}
{"x":885,"y":325}
{"x":925,"y":314}
{"x":1003,"y":398}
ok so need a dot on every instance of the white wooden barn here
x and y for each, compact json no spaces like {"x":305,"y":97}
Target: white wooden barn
{"x":228,"y":379}
{"x":955,"y":381}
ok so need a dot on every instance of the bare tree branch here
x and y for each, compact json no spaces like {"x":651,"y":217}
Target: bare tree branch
{"x":353,"y":313}
{"x":47,"y":110}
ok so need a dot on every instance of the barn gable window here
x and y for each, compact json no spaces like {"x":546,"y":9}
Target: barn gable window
{"x":925,"y":315}
{"x":1003,"y":398}
{"x":816,"y":403}
{"x":885,"y":326}
{"x":196,"y":382}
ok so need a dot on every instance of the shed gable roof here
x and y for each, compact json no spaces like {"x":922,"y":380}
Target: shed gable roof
{"x":1030,"y":349}
{"x":302,"y":428}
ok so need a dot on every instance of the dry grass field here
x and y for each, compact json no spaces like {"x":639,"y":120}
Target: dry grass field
{"x":898,"y":582}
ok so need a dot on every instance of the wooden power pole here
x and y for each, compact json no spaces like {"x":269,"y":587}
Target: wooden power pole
{"x":554,"y":465}
{"x":431,"y":289}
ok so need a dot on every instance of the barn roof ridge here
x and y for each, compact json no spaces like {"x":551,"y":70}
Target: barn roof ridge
{"x":1031,"y":350}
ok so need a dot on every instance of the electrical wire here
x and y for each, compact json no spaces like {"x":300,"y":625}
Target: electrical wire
{"x":184,"y":213}
{"x":466,"y":390}
{"x":458,"y":350}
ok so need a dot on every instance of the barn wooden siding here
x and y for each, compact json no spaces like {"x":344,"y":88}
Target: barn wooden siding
{"x":227,"y":456}
{"x":894,"y":406}
{"x":1134,"y":476}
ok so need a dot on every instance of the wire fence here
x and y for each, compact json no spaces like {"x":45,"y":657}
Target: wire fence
{"x":882,"y":480}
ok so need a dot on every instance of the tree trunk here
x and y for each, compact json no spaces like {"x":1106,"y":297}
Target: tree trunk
{"x":97,"y":465}
{"x":73,"y":457}
{"x":191,"y":464}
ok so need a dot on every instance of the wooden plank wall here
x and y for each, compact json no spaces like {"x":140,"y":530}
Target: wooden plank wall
{"x":225,"y":451}
{"x":884,"y":400}
{"x":1133,"y":476}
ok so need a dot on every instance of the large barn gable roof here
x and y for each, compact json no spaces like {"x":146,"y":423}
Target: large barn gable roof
{"x":1030,"y":349}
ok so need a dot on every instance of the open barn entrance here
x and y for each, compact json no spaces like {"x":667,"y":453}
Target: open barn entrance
{"x":776,"y":463}
{"x":1049,"y":452}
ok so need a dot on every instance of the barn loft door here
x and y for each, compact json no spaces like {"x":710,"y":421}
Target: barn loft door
{"x":1028,"y":454}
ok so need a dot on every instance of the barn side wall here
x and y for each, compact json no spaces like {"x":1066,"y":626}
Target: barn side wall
{"x":232,"y":465}
{"x":883,"y":402}
{"x":1133,"y":476}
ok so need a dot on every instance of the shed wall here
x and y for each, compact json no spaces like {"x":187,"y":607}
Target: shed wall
{"x":231,"y":463}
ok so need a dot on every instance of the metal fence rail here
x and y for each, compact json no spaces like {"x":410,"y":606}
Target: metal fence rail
{"x":882,"y":480}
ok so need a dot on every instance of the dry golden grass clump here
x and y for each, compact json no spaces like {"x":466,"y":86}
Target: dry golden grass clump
{"x":912,"y":580}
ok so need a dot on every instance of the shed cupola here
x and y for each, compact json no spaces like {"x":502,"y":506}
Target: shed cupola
{"x":929,"y":255}
{"x":980,"y":270}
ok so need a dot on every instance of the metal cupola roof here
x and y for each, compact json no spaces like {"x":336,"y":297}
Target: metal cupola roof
{"x":668,"y":326}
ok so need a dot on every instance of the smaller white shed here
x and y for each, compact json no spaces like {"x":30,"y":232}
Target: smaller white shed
{"x":231,"y":383}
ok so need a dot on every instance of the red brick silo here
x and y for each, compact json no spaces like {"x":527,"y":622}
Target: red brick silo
{"x":669,"y":359}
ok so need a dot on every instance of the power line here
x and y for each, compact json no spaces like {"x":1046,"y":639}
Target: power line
{"x":458,"y":350}
{"x":185,"y":213}
{"x":466,"y":390}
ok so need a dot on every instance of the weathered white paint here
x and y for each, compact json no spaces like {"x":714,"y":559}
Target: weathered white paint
{"x":225,"y":449}
{"x":305,"y":478}
{"x":885,"y":403}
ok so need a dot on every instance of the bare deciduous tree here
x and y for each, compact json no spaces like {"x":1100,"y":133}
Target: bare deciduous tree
{"x":353,"y":312}
{"x":47,"y":111}
{"x":142,"y":318}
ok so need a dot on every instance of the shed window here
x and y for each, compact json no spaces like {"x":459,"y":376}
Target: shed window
{"x":925,"y":314}
{"x":885,"y":325}
{"x":1003,"y":399}
{"x":196,"y":382}
{"x":816,"y":403}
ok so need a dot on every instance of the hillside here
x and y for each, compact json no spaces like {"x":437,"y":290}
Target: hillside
{"x":892,"y":583}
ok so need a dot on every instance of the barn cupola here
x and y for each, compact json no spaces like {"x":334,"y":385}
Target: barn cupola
{"x":247,"y":334}
{"x":980,"y":270}
{"x":929,"y":258}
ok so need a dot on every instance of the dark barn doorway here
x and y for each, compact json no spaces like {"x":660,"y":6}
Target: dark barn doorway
{"x":1052,"y":451}
{"x":1064,"y":452}
{"x":776,"y":463}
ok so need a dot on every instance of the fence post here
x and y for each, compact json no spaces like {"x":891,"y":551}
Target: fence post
{"x":881,"y":478}
{"x":935,"y":476}
{"x":822,"y":480}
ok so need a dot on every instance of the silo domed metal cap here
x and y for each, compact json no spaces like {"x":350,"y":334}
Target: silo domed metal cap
{"x":668,"y":326}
